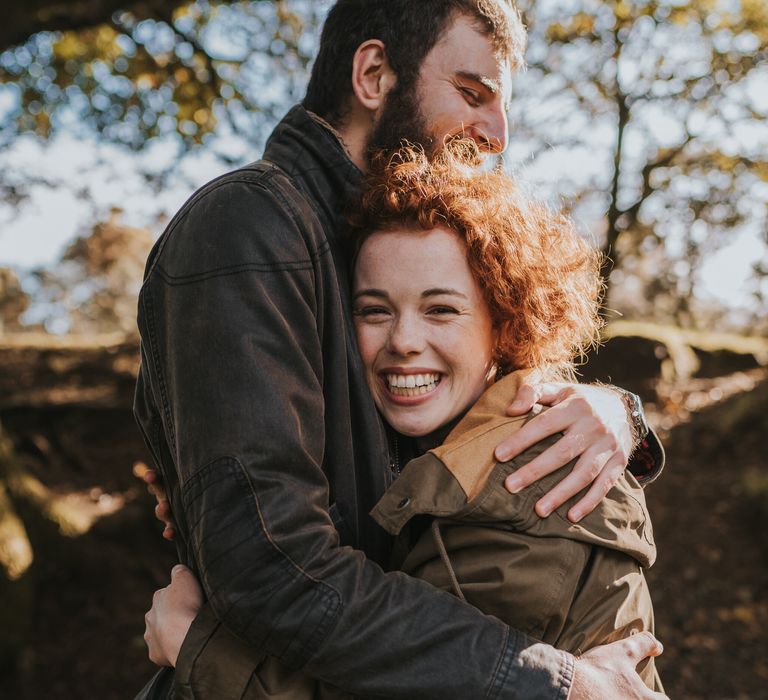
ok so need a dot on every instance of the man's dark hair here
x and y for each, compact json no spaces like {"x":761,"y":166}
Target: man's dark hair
{"x":409,"y":29}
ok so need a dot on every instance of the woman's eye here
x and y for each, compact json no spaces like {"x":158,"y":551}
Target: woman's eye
{"x":442,"y":310}
{"x":371,"y":312}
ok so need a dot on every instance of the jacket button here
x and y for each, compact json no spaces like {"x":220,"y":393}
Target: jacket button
{"x":404,"y":502}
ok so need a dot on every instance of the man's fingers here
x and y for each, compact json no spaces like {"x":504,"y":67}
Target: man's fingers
{"x":608,"y":477}
{"x":551,"y":393}
{"x":554,"y":457}
{"x":588,"y":467}
{"x":535,"y":430}
{"x":547,"y":393}
{"x":527,"y":395}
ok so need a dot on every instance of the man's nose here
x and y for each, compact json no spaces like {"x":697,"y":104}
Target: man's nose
{"x":496,"y":129}
{"x":405,"y":336}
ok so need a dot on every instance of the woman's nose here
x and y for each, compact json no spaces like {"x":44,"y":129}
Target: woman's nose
{"x":405,"y":337}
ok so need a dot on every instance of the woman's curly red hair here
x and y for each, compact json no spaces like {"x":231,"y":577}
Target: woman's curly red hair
{"x":539,"y":277}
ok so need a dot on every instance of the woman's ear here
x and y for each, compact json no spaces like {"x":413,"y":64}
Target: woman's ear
{"x":372,"y":76}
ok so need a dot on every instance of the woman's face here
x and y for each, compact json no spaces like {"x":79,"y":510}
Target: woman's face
{"x":424,"y":329}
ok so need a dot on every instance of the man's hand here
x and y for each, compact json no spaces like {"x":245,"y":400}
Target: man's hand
{"x":168,"y":620}
{"x":596,"y":430}
{"x":155,"y":486}
{"x":608,"y":672}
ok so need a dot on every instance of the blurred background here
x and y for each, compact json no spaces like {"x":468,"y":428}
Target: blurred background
{"x":648,"y":119}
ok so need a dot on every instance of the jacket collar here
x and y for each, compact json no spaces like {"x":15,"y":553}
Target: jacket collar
{"x":309,"y":151}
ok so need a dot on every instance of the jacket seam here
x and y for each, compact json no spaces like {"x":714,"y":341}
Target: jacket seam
{"x":565,"y":676}
{"x":643,"y":512}
{"x":179,"y":280}
{"x":465,"y":441}
{"x":327,"y":592}
{"x":501,"y":671}
{"x":261,"y":179}
{"x":149,"y":315}
{"x":225,"y":179}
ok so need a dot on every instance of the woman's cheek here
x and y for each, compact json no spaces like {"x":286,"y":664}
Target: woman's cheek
{"x":368,"y":342}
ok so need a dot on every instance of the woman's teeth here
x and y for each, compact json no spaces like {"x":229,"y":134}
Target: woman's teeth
{"x":412,"y":384}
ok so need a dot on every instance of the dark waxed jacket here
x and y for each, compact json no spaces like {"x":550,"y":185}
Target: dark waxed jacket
{"x":252,"y":398}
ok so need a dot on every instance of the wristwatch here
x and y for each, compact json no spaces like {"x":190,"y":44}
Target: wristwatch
{"x":635,"y":413}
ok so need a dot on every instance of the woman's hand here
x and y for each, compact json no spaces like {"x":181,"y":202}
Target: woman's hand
{"x":609,"y":671}
{"x":596,"y":430}
{"x":155,"y":486}
{"x":170,"y":617}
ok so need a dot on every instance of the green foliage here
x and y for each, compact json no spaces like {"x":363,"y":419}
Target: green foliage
{"x":94,"y":286}
{"x":659,"y":104}
{"x":663,"y":99}
{"x":180,"y":71}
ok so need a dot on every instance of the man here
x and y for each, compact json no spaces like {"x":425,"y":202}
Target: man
{"x":253,"y":401}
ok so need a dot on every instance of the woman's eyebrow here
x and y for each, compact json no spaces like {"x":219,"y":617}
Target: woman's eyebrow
{"x":440,"y":291}
{"x":370,"y":293}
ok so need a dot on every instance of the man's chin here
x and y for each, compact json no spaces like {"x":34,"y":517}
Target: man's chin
{"x":382,"y":148}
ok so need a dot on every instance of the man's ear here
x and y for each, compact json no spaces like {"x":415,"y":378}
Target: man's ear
{"x":372,"y":76}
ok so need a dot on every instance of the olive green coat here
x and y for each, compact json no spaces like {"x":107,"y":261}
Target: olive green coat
{"x":574,"y":586}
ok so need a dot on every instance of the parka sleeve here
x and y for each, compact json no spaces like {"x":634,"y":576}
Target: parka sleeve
{"x":229,"y":319}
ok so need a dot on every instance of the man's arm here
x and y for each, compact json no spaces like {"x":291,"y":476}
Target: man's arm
{"x":603,"y":673}
{"x":596,"y":429}
{"x":233,"y":364}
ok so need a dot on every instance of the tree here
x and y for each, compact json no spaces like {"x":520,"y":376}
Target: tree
{"x":657,"y":106}
{"x":94,"y":286}
{"x":14,"y":301}
{"x":134,"y":72}
{"x":22,"y":21}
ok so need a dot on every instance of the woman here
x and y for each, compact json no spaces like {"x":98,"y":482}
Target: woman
{"x":463,"y":285}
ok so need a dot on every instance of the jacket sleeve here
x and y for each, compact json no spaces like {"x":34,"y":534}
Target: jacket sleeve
{"x":647,"y":461}
{"x":229,"y":316}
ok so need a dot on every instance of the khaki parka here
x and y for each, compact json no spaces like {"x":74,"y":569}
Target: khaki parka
{"x":574,"y":586}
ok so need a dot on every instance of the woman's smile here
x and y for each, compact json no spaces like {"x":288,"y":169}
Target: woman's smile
{"x":410,"y":387}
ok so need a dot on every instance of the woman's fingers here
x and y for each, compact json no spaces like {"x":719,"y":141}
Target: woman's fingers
{"x":641,"y":645}
{"x":609,"y":671}
{"x":154,"y":483}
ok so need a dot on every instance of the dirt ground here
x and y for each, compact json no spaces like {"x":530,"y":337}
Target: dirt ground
{"x":710,"y":584}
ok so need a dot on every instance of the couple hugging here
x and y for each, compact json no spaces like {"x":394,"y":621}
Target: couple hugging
{"x":346,"y":411}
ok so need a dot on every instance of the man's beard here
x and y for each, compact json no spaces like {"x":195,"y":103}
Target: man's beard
{"x":401,"y":121}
